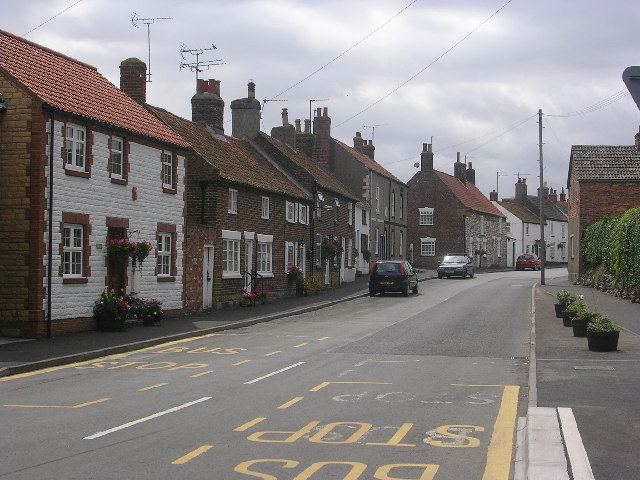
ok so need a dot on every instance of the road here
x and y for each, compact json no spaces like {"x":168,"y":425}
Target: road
{"x":425,"y":387}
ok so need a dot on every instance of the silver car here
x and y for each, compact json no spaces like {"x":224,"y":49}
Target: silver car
{"x":456,"y":264}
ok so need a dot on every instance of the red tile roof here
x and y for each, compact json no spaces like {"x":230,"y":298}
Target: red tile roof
{"x":366,"y":161}
{"x":236,"y":160}
{"x":469,"y":195}
{"x":76,"y":88}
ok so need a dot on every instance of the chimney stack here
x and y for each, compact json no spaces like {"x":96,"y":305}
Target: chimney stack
{"x":207,"y":108}
{"x":298,"y":129}
{"x":285,"y":116}
{"x":470,"y":174}
{"x":368,"y":149}
{"x":358,"y":142}
{"x":426,"y":158}
{"x":521,"y":190}
{"x":459,"y":170}
{"x":493,"y":196}
{"x":553,"y":195}
{"x":320,"y":152}
{"x":133,"y":79}
{"x":245,"y":115}
{"x":287,"y":132}
{"x":563,"y":195}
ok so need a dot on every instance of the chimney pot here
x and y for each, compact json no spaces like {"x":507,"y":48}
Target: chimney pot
{"x":285,"y":117}
{"x":251,"y":90}
{"x":298,"y":129}
{"x":426,"y":158}
{"x":425,"y":147}
{"x":307,"y":125}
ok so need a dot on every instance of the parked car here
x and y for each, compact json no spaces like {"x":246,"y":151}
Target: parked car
{"x":456,"y":264}
{"x":392,"y":276}
{"x":528,"y":260}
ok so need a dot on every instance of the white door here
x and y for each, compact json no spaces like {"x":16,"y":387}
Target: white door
{"x":248,"y":265}
{"x":207,"y":277}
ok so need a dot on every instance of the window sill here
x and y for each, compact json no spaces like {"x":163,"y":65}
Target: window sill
{"x":118,"y":181}
{"x":77,"y":173}
{"x":172,"y":191}
{"x":74,"y":280}
{"x":226,"y":276}
{"x":266,"y":274}
{"x":166,"y":279}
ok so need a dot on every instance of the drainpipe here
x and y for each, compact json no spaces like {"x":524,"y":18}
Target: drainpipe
{"x":50,"y":220}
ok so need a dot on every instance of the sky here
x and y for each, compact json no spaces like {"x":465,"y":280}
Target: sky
{"x":467,"y":76}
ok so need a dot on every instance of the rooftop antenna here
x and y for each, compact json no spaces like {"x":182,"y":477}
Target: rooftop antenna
{"x":264,"y":102}
{"x":147,"y":21}
{"x":315,"y":100}
{"x":198,"y":66}
{"x":373,"y":130}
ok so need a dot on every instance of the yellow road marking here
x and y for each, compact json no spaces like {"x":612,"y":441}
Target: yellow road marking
{"x":290,"y":402}
{"x":324,"y":384}
{"x":201,"y":374}
{"x":250,"y":424}
{"x":191,"y":455}
{"x":152,"y":386}
{"x":273,"y":353}
{"x":60,"y":406}
{"x":300,"y":345}
{"x":240,"y":363}
{"x":324,"y":338}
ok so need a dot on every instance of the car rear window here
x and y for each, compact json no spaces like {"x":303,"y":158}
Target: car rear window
{"x":388,"y":267}
{"x":450,"y":259}
{"x":526,"y":257}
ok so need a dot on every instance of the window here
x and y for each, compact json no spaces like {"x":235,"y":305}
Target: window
{"x":526,"y":229}
{"x":377,"y":199}
{"x":428,"y":247}
{"x":117,"y":158}
{"x":164,"y":255}
{"x":319,"y":202}
{"x":230,"y":254}
{"x":303,"y":214}
{"x":564,"y":231}
{"x":377,"y":240}
{"x":401,"y":206}
{"x":318,"y":249}
{"x":73,"y":241}
{"x":350,"y":252}
{"x":507,"y":227}
{"x":393,"y":204}
{"x":364,"y":217}
{"x":392,"y":251}
{"x":426,"y":216}
{"x":289,"y":255}
{"x":264,"y":256}
{"x":232,"y":201}
{"x":364,"y":242}
{"x":401,"y":244}
{"x":265,"y":208}
{"x":291,"y":212}
{"x":336,"y":213}
{"x":350,"y":209}
{"x":76,"y":148}
{"x":167,"y":170}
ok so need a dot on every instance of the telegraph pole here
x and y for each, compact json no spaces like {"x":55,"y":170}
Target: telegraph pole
{"x":543,"y":250}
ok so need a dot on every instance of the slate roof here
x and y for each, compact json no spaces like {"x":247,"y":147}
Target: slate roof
{"x":76,"y":88}
{"x":469,"y":195}
{"x":367,"y":162}
{"x":236,"y":160}
{"x":605,"y":163}
{"x":520,"y":211}
{"x":323,"y":178}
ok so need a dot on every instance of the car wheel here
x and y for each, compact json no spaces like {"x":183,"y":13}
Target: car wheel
{"x":415,"y":289}
{"x":439,"y":275}
{"x":405,"y":291}
{"x":372,"y":292}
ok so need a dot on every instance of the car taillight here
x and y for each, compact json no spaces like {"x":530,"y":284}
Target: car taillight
{"x":373,"y":269}
{"x":402,"y":272}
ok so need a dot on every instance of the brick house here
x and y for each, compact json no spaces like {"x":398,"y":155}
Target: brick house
{"x":246,"y":220}
{"x":448,"y":214}
{"x":82,"y":163}
{"x":526,"y":229}
{"x":602,"y":181}
{"x":305,"y":159}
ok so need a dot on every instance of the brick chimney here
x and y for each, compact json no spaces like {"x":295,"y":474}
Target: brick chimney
{"x":358,"y":142}
{"x":563,"y":195}
{"x":207,"y":108}
{"x":320,"y":152}
{"x":521,"y":190}
{"x":304,"y":139}
{"x":245,"y":115}
{"x":459,"y":170}
{"x":133,"y":79}
{"x":287,"y":132}
{"x":470,"y":174}
{"x":493,"y":196}
{"x":553,"y":195}
{"x":426,"y":158}
{"x":368,"y":149}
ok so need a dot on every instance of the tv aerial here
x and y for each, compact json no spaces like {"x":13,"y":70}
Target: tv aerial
{"x":148,"y":22}
{"x":198,"y":66}
{"x":373,"y":130}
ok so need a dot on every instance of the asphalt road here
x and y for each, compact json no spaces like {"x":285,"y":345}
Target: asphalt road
{"x":387,"y":387}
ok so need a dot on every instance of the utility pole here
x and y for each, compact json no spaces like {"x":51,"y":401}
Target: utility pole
{"x":498,"y":174}
{"x":543,"y":250}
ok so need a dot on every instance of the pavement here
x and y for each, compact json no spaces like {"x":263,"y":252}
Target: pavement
{"x":583,"y":417}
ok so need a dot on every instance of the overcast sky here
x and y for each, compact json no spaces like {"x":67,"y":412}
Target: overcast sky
{"x":466,"y":75}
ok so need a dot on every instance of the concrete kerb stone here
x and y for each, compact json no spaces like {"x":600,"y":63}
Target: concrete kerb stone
{"x":129,"y":347}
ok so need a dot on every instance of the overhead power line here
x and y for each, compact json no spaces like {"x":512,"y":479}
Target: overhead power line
{"x":343,"y":53}
{"x":56,"y":15}
{"x":428,"y":66}
{"x":596,"y":106}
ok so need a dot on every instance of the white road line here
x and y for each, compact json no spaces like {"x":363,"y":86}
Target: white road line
{"x":273,"y":373}
{"x":578,"y":458}
{"x":150,"y":417}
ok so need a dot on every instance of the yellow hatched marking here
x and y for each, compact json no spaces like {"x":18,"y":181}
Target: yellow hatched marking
{"x":300,"y":345}
{"x":324,"y":338}
{"x":60,"y":406}
{"x":240,"y":363}
{"x":201,"y":374}
{"x":290,"y":402}
{"x":273,"y":353}
{"x":324,"y":384}
{"x":191,"y":455}
{"x":152,"y":386}
{"x":250,"y":424}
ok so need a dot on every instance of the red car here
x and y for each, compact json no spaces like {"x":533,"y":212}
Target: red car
{"x":528,"y":260}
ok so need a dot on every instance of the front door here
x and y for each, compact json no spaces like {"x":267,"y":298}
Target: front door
{"x":116,"y":265}
{"x":248,"y":265}
{"x":207,"y":277}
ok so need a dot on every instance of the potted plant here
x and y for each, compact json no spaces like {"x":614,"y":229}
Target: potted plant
{"x":294,"y":273}
{"x":570,"y":310}
{"x":366,"y":255}
{"x":149,"y":311}
{"x":111,"y":311}
{"x":581,"y":319}
{"x":602,"y":334}
{"x":564,"y":298}
{"x":311,"y":286}
{"x":261,"y":295}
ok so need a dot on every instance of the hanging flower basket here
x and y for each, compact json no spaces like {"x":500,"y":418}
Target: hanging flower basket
{"x":330,"y":248}
{"x":123,"y":248}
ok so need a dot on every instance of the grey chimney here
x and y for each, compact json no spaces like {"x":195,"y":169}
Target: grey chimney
{"x":207,"y":108}
{"x":426,"y":158}
{"x":245,"y":115}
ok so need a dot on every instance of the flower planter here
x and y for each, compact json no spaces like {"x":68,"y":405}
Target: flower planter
{"x":108,"y":322}
{"x":558,"y":308}
{"x":579,"y":327}
{"x":603,"y":341}
{"x":151,"y":321}
{"x":567,"y":315}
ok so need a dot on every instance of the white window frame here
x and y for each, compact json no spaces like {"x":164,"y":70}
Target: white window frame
{"x":163,"y":254}
{"x":265,"y":208}
{"x":303,"y":214}
{"x":289,"y":255}
{"x":428,"y":247}
{"x":350,"y":209}
{"x":72,"y":253}
{"x":426,"y":216}
{"x":290,"y":211}
{"x":231,"y":254}
{"x":167,"y":169}
{"x":232,"y":201}
{"x":76,"y":145}
{"x":117,"y":157}
{"x":264,"y":257}
{"x":401,"y":244}
{"x":393,"y":205}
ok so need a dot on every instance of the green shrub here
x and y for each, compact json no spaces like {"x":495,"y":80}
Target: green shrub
{"x":627,"y":248}
{"x":601,"y":323}
{"x":565,"y":298}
